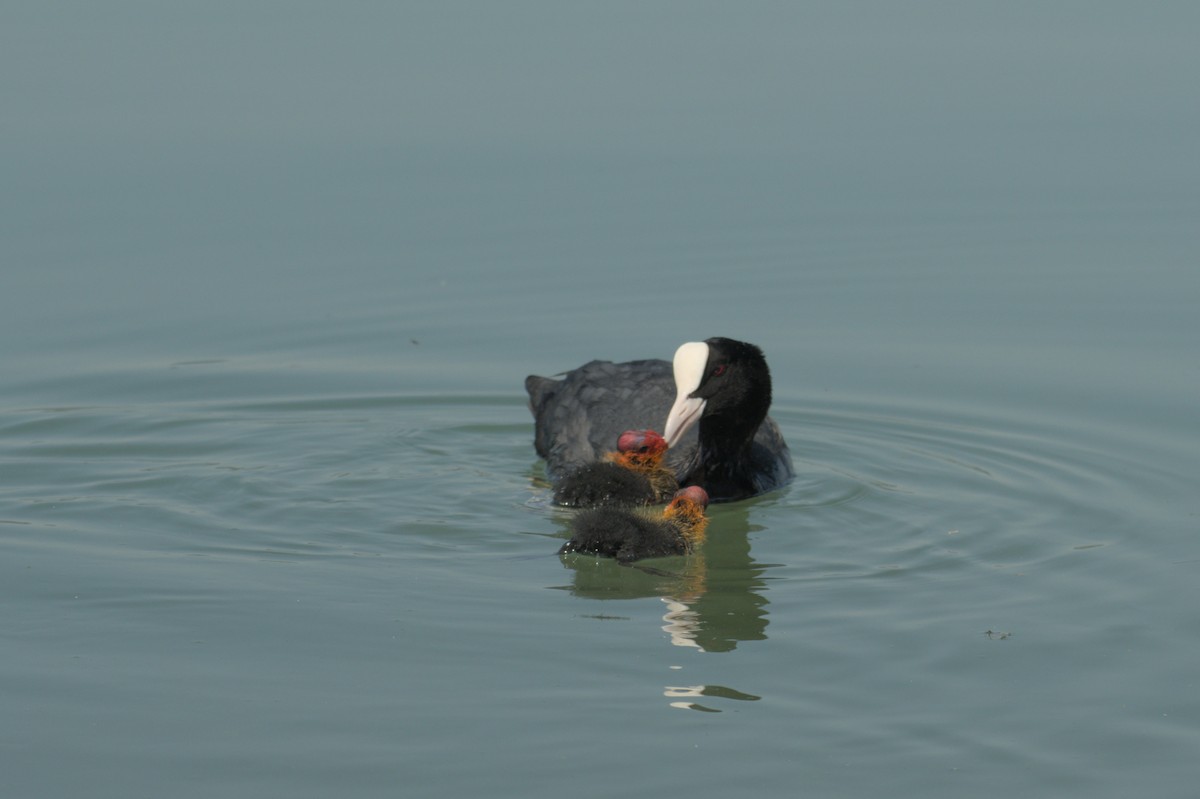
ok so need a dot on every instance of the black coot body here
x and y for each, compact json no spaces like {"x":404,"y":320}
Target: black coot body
{"x":622,"y":534}
{"x":632,"y":475}
{"x":721,"y":439}
{"x":630,"y":535}
{"x":603,"y":483}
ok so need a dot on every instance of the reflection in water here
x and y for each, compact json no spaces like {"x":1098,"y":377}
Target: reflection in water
{"x":713,"y":597}
{"x":678,"y":692}
{"x":680,"y":624}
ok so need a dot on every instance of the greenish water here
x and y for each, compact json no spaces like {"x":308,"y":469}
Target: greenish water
{"x":271,"y":522}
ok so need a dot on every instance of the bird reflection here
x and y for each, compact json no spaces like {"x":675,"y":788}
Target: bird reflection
{"x":714,"y":596}
{"x":690,"y":692}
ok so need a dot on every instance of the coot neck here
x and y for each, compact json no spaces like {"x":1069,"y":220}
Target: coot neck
{"x":723,"y":464}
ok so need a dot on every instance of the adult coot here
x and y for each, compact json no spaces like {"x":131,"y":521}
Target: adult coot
{"x":633,"y":475}
{"x":629,"y":535}
{"x":711,"y":405}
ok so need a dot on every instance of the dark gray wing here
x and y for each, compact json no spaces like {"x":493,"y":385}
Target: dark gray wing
{"x":579,"y":418}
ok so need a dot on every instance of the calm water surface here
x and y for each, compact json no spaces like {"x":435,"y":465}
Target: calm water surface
{"x":271,"y":522}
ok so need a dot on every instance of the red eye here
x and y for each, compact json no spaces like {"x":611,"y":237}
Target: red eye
{"x":718,"y":370}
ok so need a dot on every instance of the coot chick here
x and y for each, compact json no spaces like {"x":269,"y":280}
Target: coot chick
{"x":714,"y":399}
{"x":633,"y":475}
{"x":628,"y":535}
